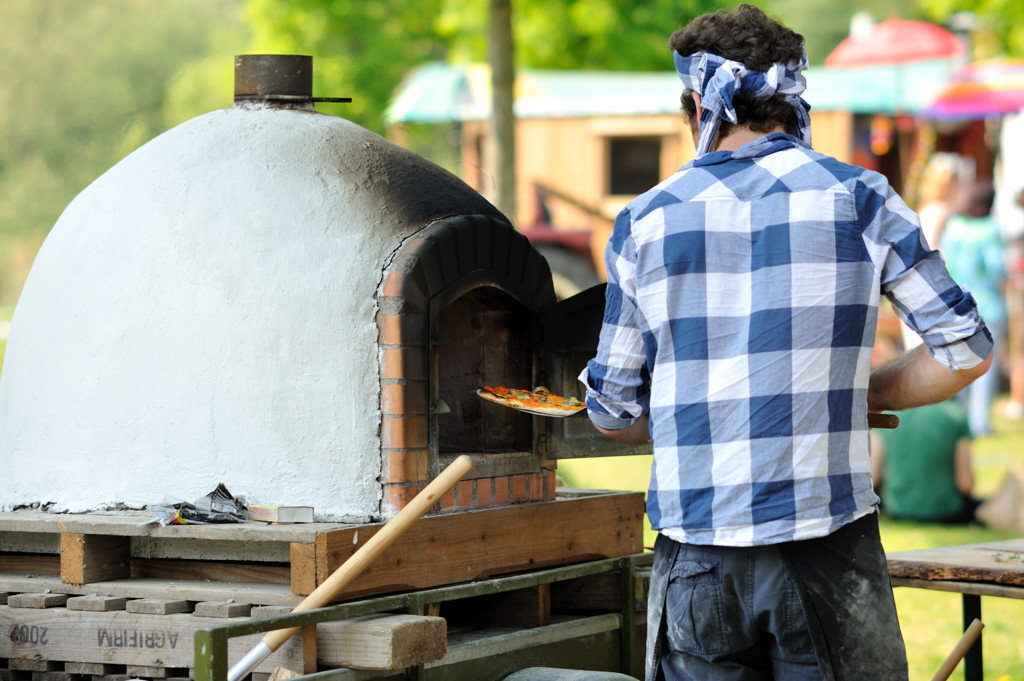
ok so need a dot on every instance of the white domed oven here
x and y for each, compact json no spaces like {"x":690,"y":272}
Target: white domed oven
{"x":284,"y":302}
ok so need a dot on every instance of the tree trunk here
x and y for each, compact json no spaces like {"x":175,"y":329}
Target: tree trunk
{"x":503,"y":119}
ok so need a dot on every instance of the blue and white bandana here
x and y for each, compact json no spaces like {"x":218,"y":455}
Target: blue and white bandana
{"x":717,"y":80}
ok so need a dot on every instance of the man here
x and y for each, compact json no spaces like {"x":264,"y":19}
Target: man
{"x":741,"y":309}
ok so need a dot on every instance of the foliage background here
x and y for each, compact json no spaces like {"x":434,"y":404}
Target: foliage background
{"x":85,"y":83}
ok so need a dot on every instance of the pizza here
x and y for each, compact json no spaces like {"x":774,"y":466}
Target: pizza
{"x":536,"y":401}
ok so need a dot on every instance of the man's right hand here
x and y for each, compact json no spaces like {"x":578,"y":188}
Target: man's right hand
{"x":637,"y":433}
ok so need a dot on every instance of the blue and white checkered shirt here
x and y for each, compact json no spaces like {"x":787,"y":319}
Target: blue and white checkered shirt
{"x":741,"y":309}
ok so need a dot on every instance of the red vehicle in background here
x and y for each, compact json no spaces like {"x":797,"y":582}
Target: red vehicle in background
{"x":573,"y":254}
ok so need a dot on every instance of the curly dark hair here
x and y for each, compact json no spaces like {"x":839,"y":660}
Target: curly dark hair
{"x":749,"y":36}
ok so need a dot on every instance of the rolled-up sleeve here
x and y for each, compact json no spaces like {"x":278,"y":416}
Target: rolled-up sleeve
{"x":923,"y":294}
{"x":617,"y":379}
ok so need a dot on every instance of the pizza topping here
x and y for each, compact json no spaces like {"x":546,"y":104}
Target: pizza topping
{"x":538,"y":400}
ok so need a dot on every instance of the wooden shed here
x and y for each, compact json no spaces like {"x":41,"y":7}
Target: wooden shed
{"x":587,"y":142}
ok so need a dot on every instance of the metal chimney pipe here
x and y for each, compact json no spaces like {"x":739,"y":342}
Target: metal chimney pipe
{"x":282,"y":81}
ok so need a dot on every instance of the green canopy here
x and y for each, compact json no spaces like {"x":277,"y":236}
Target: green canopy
{"x":437,"y":92}
{"x":901,"y":88}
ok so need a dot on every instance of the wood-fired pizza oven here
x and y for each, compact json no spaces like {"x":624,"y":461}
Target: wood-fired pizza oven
{"x":469,"y":302}
{"x":287,"y":303}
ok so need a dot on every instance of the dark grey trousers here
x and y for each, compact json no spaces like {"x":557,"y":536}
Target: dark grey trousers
{"x":798,"y":611}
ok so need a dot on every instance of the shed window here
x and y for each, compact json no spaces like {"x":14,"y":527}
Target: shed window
{"x":634,"y":164}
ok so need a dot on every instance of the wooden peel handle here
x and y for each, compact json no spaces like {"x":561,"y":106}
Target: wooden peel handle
{"x":375,"y":545}
{"x":959,"y":650}
{"x":879,"y":420}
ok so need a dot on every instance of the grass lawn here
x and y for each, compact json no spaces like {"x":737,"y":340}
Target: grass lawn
{"x":931,"y":620}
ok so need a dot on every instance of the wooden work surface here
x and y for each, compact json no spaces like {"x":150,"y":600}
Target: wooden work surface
{"x":1000,"y":562}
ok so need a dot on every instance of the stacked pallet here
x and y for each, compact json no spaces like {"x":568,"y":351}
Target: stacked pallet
{"x":54,"y":637}
{"x":106,"y":596}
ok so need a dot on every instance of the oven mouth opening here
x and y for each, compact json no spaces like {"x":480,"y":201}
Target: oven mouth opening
{"x":483,"y":337}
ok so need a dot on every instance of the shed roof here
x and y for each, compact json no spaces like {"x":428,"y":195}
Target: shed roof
{"x":437,"y":92}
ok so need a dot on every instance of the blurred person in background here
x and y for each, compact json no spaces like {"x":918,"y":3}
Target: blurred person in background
{"x":937,"y":194}
{"x":938,"y":190}
{"x":972,"y":245}
{"x":922,"y":469}
{"x":1015,"y":306}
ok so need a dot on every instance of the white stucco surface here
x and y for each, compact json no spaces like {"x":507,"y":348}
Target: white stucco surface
{"x":204,"y":312}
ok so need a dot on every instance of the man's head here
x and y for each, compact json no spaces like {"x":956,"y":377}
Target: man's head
{"x":748,"y":36}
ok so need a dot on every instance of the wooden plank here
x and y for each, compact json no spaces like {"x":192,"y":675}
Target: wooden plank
{"x":309,"y":650}
{"x":121,"y":637}
{"x":279,"y":675}
{"x":269,"y":611}
{"x":192,"y":590}
{"x":34,"y":665}
{"x":995,"y":562}
{"x":214,"y":571}
{"x":37,"y":600}
{"x":29,"y":564}
{"x":92,"y":558}
{"x":129,"y":524}
{"x":93,"y":668}
{"x":222,"y":609}
{"x":148,"y":672}
{"x":250,"y":550}
{"x":381,"y":642}
{"x":972,"y":588}
{"x":303,"y":557}
{"x":157,"y":606}
{"x":29,"y":542}
{"x":473,"y":545}
{"x":97,"y":603}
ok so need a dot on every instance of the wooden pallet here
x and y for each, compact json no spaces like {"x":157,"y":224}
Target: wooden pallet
{"x":152,"y":638}
{"x":56,"y":637}
{"x":261,"y":564}
{"x":106,"y":596}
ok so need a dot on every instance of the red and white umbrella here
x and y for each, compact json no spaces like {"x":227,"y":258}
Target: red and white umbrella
{"x":896,"y":41}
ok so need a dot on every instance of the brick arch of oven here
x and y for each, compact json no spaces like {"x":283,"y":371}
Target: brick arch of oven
{"x":470,"y":262}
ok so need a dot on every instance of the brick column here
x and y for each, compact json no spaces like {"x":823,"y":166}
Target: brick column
{"x":429,"y":264}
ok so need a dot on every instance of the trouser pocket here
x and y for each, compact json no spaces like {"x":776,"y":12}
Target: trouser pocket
{"x":694,"y":620}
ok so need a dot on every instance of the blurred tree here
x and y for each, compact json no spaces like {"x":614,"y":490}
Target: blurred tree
{"x":624,"y":35}
{"x":84,"y":84}
{"x":501,"y":57}
{"x":360,"y":49}
{"x":364,"y":49}
{"x":999,"y":28}
{"x":824,"y":23}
